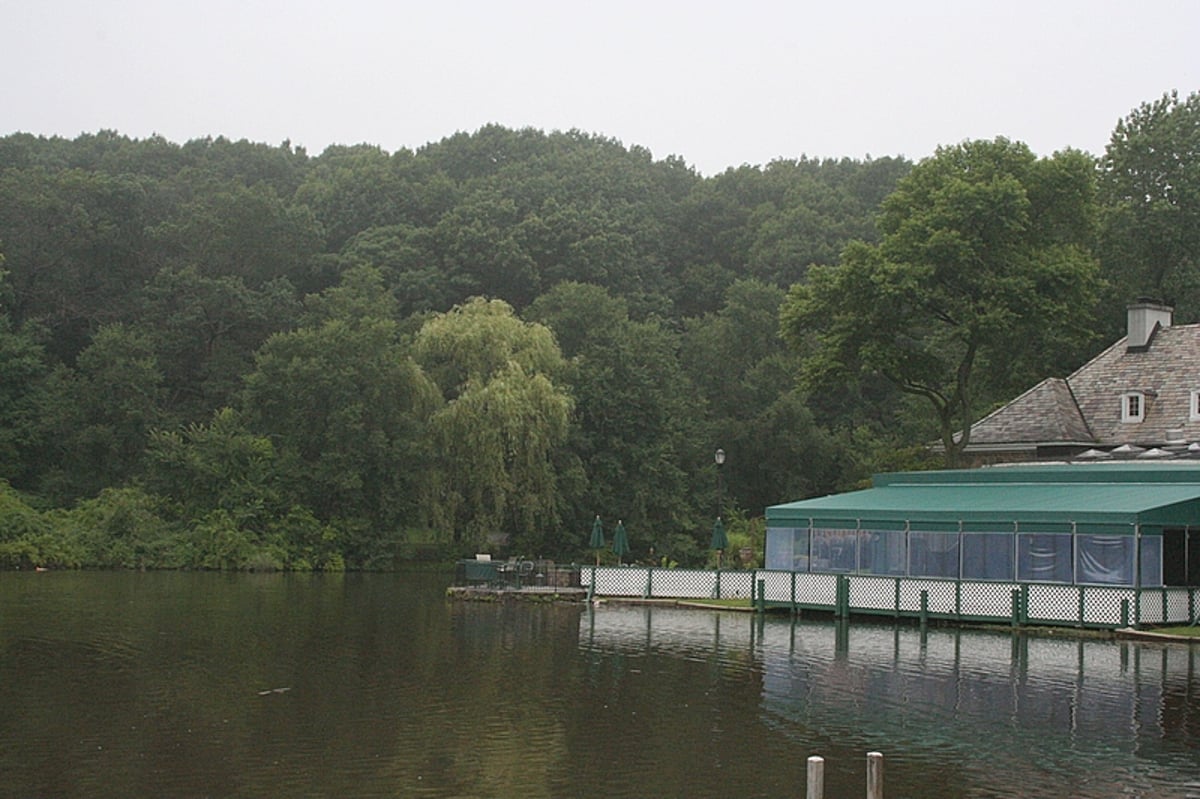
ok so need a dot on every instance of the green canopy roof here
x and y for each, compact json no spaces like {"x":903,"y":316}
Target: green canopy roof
{"x":1108,"y":495}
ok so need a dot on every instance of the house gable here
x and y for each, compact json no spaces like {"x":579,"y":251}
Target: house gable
{"x":1142,"y":391}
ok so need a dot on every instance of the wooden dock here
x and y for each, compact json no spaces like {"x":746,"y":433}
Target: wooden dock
{"x":530,"y":593}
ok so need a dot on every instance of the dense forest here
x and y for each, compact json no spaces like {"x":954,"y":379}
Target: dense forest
{"x":230,"y":355}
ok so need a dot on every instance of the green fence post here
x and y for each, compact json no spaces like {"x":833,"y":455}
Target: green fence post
{"x":793,"y":593}
{"x":592,"y":585}
{"x":762,"y":595}
{"x":924,"y":608}
{"x":958,"y":599}
{"x":1016,"y":607}
{"x":717,"y":585}
{"x":1137,"y":608}
{"x":1079,"y":623}
{"x":1024,"y":605}
{"x":649,"y":582}
{"x":1124,"y":612}
{"x":1165,"y":605}
{"x":896,"y":606}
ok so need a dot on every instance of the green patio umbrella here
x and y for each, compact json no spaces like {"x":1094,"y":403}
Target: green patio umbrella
{"x":720,"y":541}
{"x":597,"y":540}
{"x":620,"y":541}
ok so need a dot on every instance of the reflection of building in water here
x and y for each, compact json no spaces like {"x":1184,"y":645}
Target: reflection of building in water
{"x":1095,"y":713}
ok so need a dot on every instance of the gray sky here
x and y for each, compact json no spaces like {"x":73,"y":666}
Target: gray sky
{"x":719,"y":84}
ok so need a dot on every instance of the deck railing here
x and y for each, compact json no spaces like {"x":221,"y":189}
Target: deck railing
{"x":959,"y":600}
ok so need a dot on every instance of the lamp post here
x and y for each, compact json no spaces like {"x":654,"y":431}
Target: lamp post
{"x":719,"y":459}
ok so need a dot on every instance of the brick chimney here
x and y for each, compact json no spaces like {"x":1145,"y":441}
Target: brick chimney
{"x":1144,"y":318}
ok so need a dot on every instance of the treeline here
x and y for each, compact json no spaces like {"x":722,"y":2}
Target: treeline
{"x":226,"y":354}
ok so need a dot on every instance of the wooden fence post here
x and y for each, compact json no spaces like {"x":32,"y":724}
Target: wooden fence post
{"x":816,"y":778}
{"x":874,"y":775}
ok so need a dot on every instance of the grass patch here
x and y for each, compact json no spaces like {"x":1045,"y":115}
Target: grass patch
{"x":721,"y":603}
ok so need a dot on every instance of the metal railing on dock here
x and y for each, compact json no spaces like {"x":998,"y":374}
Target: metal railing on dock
{"x":516,"y":573}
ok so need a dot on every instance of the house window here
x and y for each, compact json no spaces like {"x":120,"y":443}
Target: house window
{"x":1133,"y":407}
{"x":1194,"y":415}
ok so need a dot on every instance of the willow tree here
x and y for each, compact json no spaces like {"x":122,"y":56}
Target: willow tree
{"x":983,"y":277}
{"x":492,"y":445}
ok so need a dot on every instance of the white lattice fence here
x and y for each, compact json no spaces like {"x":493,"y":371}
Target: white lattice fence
{"x":987,"y":600}
{"x":1179,"y":607}
{"x":1103,"y":606}
{"x":818,"y":590}
{"x":940,"y":596}
{"x":616,"y":581}
{"x":682,"y":583}
{"x":872,"y":593}
{"x":1053,"y":603}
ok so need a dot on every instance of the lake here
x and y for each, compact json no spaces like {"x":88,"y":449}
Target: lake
{"x":194,"y":685}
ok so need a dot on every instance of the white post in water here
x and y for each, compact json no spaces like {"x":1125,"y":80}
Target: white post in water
{"x":874,"y":775}
{"x":816,"y":778}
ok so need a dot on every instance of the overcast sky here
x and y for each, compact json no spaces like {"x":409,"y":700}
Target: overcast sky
{"x":717,"y":83}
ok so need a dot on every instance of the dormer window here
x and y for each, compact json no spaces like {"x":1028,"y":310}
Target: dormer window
{"x":1133,"y":406}
{"x":1194,"y":414}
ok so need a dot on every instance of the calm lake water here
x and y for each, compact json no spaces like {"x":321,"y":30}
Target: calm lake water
{"x":181,"y":685}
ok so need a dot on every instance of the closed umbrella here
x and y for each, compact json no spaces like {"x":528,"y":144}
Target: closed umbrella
{"x":620,"y":541}
{"x":597,"y":540}
{"x":720,"y":541}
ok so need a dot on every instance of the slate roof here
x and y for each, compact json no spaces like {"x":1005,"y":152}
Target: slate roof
{"x":1085,"y":408}
{"x":1045,"y":413}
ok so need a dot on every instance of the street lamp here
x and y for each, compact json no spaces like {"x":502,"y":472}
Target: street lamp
{"x":719,"y":459}
{"x":719,"y":543}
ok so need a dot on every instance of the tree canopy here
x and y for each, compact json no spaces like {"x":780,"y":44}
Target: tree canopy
{"x":984,"y":262}
{"x":227,"y":354}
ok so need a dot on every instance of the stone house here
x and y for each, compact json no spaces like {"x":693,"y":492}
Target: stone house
{"x":1139,"y":399}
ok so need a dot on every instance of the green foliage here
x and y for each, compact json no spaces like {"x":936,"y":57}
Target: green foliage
{"x":95,"y":418}
{"x":492,"y":444}
{"x":22,"y":367}
{"x":225,"y":354}
{"x":122,"y":528}
{"x":982,"y":259}
{"x":345,"y":407}
{"x":1150,"y":190}
{"x":28,"y":539}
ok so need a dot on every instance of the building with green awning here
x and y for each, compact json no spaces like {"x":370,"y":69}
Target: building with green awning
{"x":1105,"y":524}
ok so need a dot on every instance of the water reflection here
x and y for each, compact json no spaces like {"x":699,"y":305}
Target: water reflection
{"x":165,"y":685}
{"x":977,"y":713}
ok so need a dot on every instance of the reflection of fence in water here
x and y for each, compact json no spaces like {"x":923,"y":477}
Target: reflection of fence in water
{"x":1047,"y":700}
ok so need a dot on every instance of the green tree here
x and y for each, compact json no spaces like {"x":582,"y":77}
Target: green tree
{"x":1150,"y":192}
{"x":982,"y":270}
{"x":205,"y":331}
{"x":635,"y":439}
{"x":345,"y":406}
{"x":22,"y":366}
{"x":227,"y":228}
{"x":740,"y":366}
{"x":493,"y":444}
{"x":74,"y":243}
{"x":96,"y":417}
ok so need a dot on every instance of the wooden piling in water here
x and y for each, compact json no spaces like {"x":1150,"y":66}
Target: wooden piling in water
{"x":874,"y":775}
{"x":816,"y":778}
{"x":815,"y":789}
